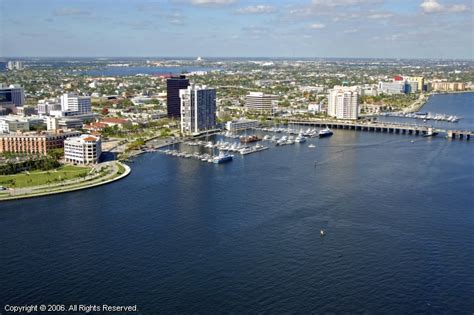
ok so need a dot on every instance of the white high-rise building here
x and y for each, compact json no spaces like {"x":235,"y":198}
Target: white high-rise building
{"x":85,"y":149}
{"x":198,"y":109}
{"x":343,"y":103}
{"x":76,"y":103}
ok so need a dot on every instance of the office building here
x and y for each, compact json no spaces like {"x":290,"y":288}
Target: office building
{"x":173,"y":102}
{"x":420,"y":81}
{"x":448,"y":86}
{"x":45,"y":106}
{"x":11,"y":97}
{"x":34,"y":143}
{"x":11,"y":124}
{"x":261,"y":102}
{"x":84,"y":149}
{"x":395,"y":87}
{"x":241,"y":124}
{"x":198,"y":109}
{"x":343,"y":103}
{"x":76,"y":103}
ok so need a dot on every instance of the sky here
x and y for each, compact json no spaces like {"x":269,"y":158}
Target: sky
{"x":237,"y":28}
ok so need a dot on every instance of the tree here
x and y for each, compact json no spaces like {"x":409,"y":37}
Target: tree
{"x":105,"y":111}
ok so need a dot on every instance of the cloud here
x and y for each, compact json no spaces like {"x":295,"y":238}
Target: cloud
{"x":433,"y":6}
{"x":336,"y":3}
{"x":317,"y":26}
{"x":380,"y":15}
{"x":212,"y":2}
{"x":257,"y":9}
{"x":71,"y":11}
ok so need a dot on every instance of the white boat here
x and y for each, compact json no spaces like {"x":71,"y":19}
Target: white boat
{"x":300,"y":138}
{"x":311,"y":146}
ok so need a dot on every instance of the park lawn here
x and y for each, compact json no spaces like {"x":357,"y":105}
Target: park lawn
{"x":37,"y":178}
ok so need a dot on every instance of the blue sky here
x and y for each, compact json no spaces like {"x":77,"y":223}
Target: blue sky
{"x":238,"y":28}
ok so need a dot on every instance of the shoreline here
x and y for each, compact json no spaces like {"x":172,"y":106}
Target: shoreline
{"x":127,"y":172}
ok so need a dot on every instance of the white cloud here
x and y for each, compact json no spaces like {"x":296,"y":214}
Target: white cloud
{"x":377,"y":16}
{"x":433,"y":6}
{"x":335,"y":3}
{"x":257,"y":9}
{"x":317,"y":26}
{"x":212,"y":2}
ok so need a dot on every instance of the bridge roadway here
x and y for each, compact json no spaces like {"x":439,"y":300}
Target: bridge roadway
{"x":385,"y":127}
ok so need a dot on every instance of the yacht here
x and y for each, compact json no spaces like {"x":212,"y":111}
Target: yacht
{"x":326,"y":132}
{"x":300,"y":138}
{"x":311,"y":146}
{"x":222,"y":158}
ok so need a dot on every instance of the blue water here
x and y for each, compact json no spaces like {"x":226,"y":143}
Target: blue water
{"x":460,"y":105}
{"x":183,"y":236}
{"x":129,"y":71}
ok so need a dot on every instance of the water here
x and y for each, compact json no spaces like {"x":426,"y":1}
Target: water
{"x":460,"y":105}
{"x":184,"y":236}
{"x":128,"y":71}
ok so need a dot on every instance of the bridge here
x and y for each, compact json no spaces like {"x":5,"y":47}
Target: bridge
{"x":387,"y":127}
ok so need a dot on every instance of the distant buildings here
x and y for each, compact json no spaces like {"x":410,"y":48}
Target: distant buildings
{"x":34,"y":143}
{"x":447,"y":86}
{"x":76,"y":103}
{"x":420,"y":81}
{"x":241,"y":124}
{"x":10,"y":98}
{"x":173,"y":103}
{"x":14,"y":65}
{"x":343,"y":103}
{"x":394,"y":87}
{"x":10,"y":124}
{"x":84,"y":149}
{"x":198,"y":109}
{"x":45,"y":106}
{"x":261,"y":102}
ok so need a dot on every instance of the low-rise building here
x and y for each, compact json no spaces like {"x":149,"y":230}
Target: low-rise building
{"x":84,"y":149}
{"x":9,"y":124}
{"x":34,"y":143}
{"x":241,"y":124}
{"x":448,"y":86}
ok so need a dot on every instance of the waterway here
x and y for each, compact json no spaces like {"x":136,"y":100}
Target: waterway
{"x":130,"y":71}
{"x":183,"y":236}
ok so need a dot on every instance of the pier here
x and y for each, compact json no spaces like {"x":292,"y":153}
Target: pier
{"x":385,"y":127}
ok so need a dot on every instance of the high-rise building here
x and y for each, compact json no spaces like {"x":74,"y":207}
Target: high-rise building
{"x":76,"y":103}
{"x":198,"y":109}
{"x":420,"y":81}
{"x":260,"y":101}
{"x":14,"y":65}
{"x":11,"y":97}
{"x":173,"y":103}
{"x":343,"y":103}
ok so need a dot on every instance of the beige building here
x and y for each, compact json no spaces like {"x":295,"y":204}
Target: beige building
{"x":34,"y":143}
{"x":448,"y":86}
{"x":261,"y":102}
{"x":343,"y":103}
{"x":419,"y":80}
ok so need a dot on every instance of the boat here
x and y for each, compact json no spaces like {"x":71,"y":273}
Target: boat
{"x":222,"y":158}
{"x":266,"y":137}
{"x":250,"y":139}
{"x":326,"y":132}
{"x":311,"y":146}
{"x":300,"y":138}
{"x":322,"y":232}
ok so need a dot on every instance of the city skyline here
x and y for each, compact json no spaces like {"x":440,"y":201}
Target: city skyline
{"x":238,"y":28}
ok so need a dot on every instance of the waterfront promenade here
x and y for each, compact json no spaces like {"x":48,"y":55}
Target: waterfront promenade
{"x":115,"y":171}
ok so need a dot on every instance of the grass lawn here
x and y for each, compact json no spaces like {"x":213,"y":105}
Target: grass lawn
{"x":36,"y":178}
